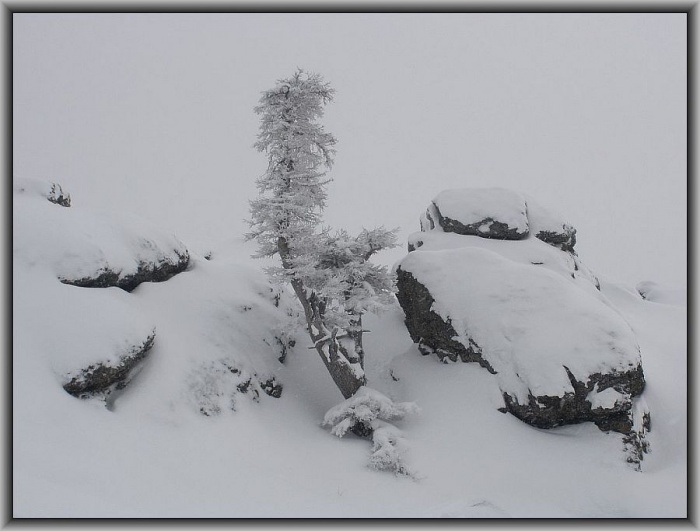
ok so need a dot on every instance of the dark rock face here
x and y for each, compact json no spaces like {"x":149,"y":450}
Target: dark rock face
{"x":495,"y":230}
{"x":146,"y":272}
{"x":101,"y":378}
{"x":564,"y":240}
{"x":485,"y":228}
{"x":432,"y":334}
{"x":573,"y":408}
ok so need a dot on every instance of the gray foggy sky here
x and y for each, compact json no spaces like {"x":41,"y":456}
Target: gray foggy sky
{"x":153,"y":113}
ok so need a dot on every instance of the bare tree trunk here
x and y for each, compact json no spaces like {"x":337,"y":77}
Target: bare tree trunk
{"x":341,"y":355}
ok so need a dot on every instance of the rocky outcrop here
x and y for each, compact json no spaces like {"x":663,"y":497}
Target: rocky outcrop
{"x":611,"y":413}
{"x":480,"y":212}
{"x":550,"y":227}
{"x":104,"y":377}
{"x":53,"y":192}
{"x":57,"y":196}
{"x":96,"y":341}
{"x":564,"y":239}
{"x":159,"y":271}
{"x":529,"y":312}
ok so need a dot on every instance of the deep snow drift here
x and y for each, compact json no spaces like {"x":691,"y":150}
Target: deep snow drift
{"x":199,"y":431}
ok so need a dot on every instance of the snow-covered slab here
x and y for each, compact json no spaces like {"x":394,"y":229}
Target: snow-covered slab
{"x":530,"y":251}
{"x":485,"y":212}
{"x":529,"y":322}
{"x":92,"y":248}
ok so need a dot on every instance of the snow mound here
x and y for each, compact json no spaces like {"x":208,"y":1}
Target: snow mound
{"x":74,"y":332}
{"x":654,"y":292}
{"x":91,"y":248}
{"x":222,"y":337}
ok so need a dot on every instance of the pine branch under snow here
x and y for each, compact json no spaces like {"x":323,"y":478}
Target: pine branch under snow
{"x":366,"y":406}
{"x":371,"y":409}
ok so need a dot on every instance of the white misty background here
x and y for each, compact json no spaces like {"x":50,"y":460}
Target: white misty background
{"x":153,"y":113}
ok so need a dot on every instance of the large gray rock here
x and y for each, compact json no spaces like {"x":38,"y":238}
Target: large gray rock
{"x":530,"y":313}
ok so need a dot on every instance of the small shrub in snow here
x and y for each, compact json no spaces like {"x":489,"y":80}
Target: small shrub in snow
{"x":635,"y":442}
{"x":215,"y":386}
{"x":388,"y":449}
{"x":365,"y":407}
{"x":365,"y":413}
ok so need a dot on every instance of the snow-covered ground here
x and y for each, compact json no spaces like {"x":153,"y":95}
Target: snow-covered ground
{"x":155,"y":454}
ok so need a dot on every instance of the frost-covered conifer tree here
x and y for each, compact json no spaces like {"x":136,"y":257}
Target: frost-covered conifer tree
{"x":330,"y":274}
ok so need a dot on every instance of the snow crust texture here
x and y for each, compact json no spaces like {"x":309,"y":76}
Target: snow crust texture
{"x":528,"y":311}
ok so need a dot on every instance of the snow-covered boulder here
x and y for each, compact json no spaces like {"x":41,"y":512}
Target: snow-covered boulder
{"x":485,"y":212}
{"x":111,"y":374}
{"x":92,"y":342}
{"x":531,"y":314}
{"x":90,"y":248}
{"x":550,"y":227}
